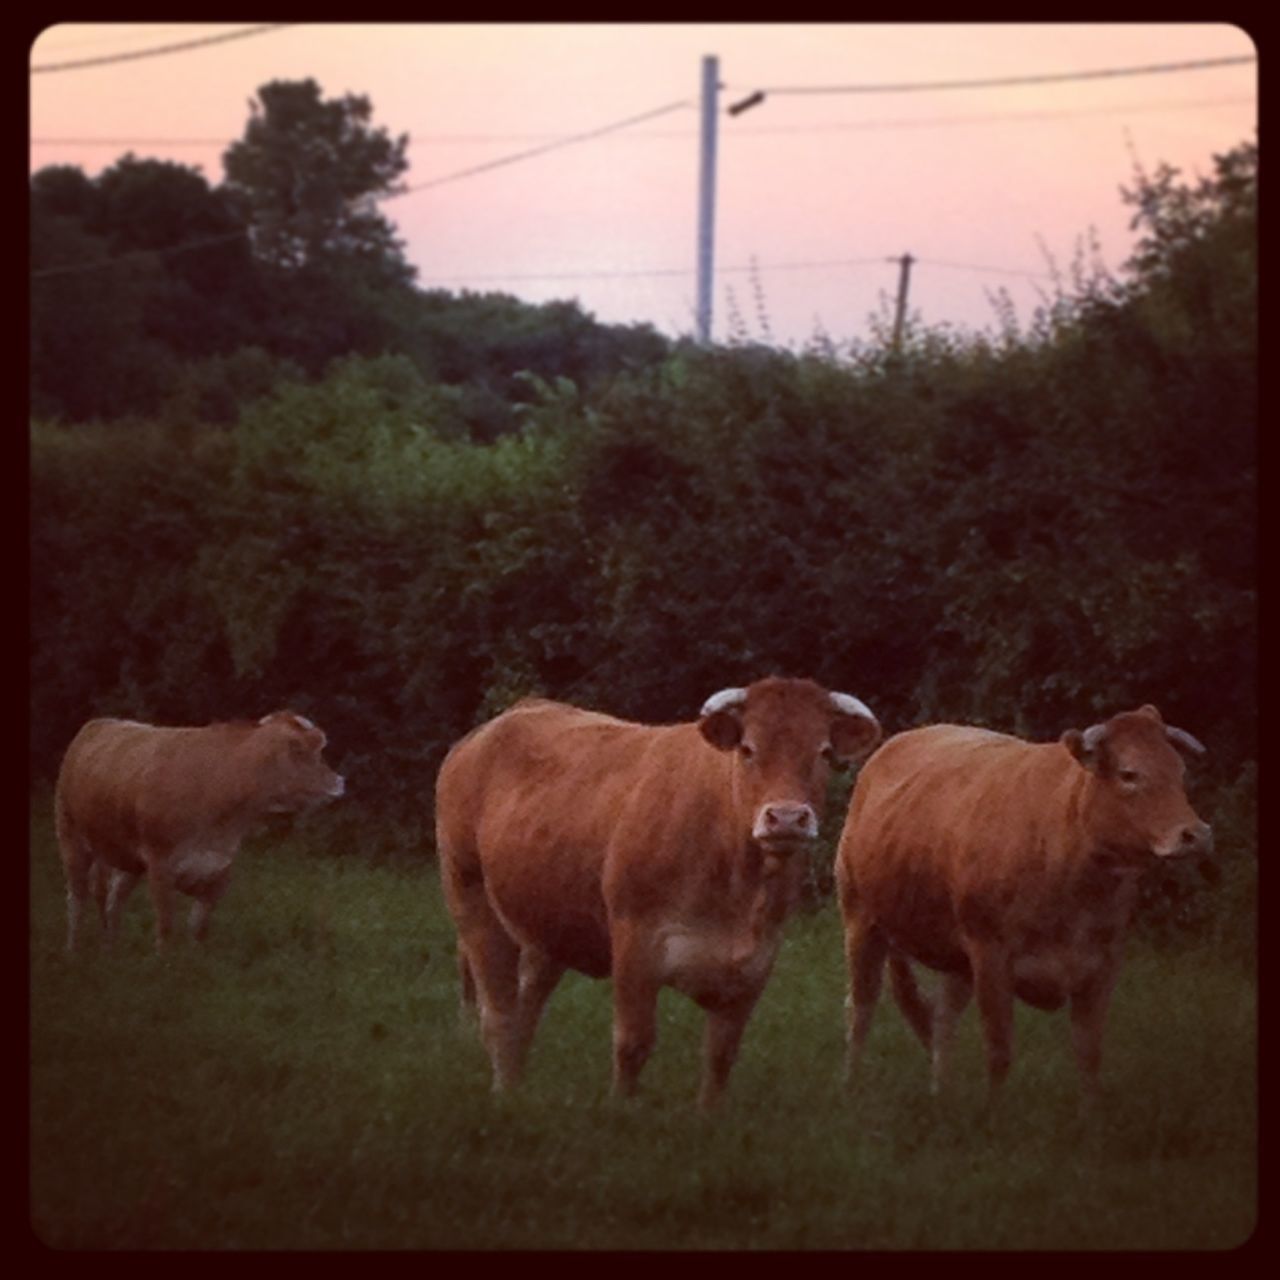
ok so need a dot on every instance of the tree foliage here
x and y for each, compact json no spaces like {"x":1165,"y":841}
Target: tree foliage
{"x":1029,"y":530}
{"x":306,"y":175}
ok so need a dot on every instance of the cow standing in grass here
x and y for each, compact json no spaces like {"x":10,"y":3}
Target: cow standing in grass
{"x":1010,"y":867}
{"x":660,"y":855}
{"x":173,"y":804}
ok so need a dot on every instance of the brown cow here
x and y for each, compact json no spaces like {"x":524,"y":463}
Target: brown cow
{"x":173,"y":804}
{"x":1011,"y":868}
{"x":663,"y":855}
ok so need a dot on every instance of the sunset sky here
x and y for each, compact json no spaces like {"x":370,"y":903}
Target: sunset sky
{"x":987,"y":188}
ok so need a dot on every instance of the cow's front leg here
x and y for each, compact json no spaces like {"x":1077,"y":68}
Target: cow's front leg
{"x":993,"y":986}
{"x":160,"y":882}
{"x":635,"y":1003}
{"x":952,"y":998}
{"x":1088,"y":1015}
{"x":120,"y":884}
{"x":207,"y":897}
{"x":725,"y":1026}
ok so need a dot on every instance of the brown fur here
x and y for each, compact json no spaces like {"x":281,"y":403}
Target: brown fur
{"x":572,"y":840}
{"x":1008,"y":865}
{"x":173,"y":804}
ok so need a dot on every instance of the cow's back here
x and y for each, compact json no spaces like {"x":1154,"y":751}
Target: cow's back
{"x":947,"y":815}
{"x":122,"y":782}
{"x":539,"y":803}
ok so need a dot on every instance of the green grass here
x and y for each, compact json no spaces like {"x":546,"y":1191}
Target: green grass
{"x":305,"y":1081}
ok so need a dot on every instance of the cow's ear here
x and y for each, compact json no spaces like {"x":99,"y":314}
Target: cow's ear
{"x":854,"y":736}
{"x":723,"y":729}
{"x":720,"y":720}
{"x":1086,"y":746}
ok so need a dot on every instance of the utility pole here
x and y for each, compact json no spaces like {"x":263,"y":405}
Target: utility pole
{"x":904,"y":275}
{"x":707,"y":193}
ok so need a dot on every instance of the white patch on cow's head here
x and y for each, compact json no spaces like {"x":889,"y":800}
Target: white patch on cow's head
{"x":723,"y":701}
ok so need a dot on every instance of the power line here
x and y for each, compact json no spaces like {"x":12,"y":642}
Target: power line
{"x":160,"y":49}
{"x":819,"y":126}
{"x":116,"y":38}
{"x":537,"y":151}
{"x":75,"y":268}
{"x":688,"y":271}
{"x":1001,"y":82}
{"x":971,"y":266}
{"x":101,"y":263}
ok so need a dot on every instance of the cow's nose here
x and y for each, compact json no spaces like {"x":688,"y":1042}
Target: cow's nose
{"x":786,"y":819}
{"x":1197,"y":838}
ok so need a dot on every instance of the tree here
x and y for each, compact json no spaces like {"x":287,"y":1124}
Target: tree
{"x":203,"y":301}
{"x":90,"y":353}
{"x":306,"y":175}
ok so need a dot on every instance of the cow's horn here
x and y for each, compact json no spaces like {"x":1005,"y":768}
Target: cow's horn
{"x":723,"y":701}
{"x":1181,"y":738}
{"x":848,"y":705}
{"x":1092,"y":736}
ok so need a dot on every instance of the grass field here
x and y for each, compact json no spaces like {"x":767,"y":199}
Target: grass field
{"x":305,"y":1081}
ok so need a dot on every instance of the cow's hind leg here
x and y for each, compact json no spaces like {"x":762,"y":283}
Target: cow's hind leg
{"x":466,"y":986}
{"x":538,"y":977}
{"x":77,"y":861}
{"x":489,"y":959}
{"x":913,"y":1006}
{"x":77,"y":892}
{"x":865,"y":951}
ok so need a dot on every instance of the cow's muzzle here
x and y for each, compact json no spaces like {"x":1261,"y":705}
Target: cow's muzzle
{"x":1193,"y":840}
{"x":785,"y":824}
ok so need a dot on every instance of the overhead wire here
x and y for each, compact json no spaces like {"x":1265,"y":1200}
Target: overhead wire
{"x":550,"y":146}
{"x":423,"y":138}
{"x":181,"y":46}
{"x":117,"y":37}
{"x":999,"y":82}
{"x":587,"y":135}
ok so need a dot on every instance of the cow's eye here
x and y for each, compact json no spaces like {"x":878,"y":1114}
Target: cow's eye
{"x":828,"y":753}
{"x":1128,"y":776}
{"x":747,"y":750}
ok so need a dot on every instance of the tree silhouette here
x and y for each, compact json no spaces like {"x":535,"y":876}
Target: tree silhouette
{"x":306,"y":176}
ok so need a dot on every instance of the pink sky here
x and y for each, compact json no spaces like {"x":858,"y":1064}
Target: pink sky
{"x":972,"y":182}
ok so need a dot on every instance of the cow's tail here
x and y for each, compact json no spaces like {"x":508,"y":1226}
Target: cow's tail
{"x":915,"y":1008}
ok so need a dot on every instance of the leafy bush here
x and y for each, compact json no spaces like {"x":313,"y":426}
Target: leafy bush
{"x":1029,"y":531}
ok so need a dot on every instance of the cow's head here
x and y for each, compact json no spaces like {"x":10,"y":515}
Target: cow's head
{"x":786,"y":735}
{"x":292,"y":774}
{"x":1140,"y":802}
